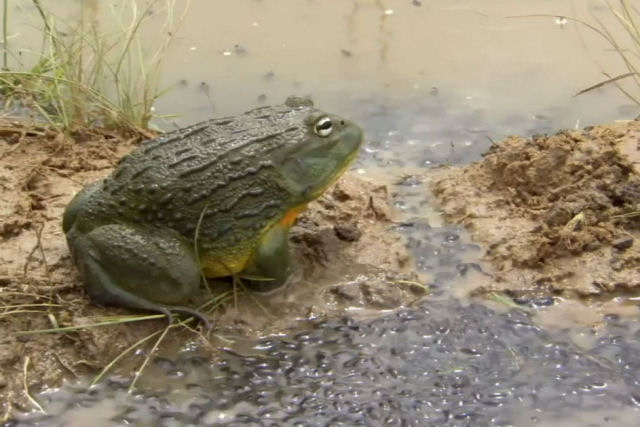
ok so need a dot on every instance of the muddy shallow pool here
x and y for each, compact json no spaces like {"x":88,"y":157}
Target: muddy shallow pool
{"x":431,"y":83}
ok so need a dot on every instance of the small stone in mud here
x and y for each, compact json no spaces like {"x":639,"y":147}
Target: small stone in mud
{"x":381,"y":294}
{"x":622,"y":243}
{"x":340,"y":194}
{"x":347,"y":292}
{"x":14,"y":227}
{"x":348,"y":233}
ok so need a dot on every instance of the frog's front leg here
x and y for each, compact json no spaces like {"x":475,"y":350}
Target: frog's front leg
{"x":78,"y":203}
{"x":270,"y":260}
{"x":137,"y":267}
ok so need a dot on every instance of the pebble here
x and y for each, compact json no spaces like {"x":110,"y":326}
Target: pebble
{"x":622,"y":243}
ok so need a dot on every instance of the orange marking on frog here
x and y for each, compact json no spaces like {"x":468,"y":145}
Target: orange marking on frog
{"x":290,"y":216}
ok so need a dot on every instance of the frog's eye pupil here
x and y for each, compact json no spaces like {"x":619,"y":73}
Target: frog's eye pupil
{"x":323,"y":126}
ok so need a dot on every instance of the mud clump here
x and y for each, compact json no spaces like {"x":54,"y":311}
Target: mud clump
{"x":558,"y":214}
{"x":343,"y":240}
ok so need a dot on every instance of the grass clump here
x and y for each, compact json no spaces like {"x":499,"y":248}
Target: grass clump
{"x":626,"y":46}
{"x":90,"y":72}
{"x":627,"y":16}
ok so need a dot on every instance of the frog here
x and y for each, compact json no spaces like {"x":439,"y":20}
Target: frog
{"x":212,"y":200}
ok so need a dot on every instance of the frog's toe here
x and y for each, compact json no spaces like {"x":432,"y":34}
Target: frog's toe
{"x":206,"y":322}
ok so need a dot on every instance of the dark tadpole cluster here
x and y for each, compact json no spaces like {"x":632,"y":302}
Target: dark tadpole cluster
{"x":441,"y":363}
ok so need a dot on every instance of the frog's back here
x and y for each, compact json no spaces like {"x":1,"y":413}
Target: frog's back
{"x":222,"y":169}
{"x":216,"y":148}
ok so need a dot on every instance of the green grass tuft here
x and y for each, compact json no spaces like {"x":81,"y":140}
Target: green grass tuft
{"x":92,"y":72}
{"x":627,"y":47}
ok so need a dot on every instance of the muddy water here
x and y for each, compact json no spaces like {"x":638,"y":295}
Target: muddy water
{"x":482,"y":55}
{"x":431,"y":82}
{"x":340,"y":50}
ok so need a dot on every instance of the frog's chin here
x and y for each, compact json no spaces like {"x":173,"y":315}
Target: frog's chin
{"x":317,"y":192}
{"x":309,"y":177}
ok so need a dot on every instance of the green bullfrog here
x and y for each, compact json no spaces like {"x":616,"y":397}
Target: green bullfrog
{"x":216,"y":198}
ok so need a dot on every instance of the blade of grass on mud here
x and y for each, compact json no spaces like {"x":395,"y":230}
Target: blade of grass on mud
{"x":162,"y":332}
{"x":122,"y":354}
{"x":502,"y":299}
{"x":196,"y":236}
{"x":5,"y":33}
{"x":419,"y":285}
{"x":251,"y":296}
{"x":114,"y":321}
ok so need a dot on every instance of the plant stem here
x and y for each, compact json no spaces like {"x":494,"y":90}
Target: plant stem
{"x":5,"y":20}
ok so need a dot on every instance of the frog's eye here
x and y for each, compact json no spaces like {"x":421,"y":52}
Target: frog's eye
{"x":323,"y":126}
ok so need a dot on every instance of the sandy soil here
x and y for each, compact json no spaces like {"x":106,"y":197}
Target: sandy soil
{"x":346,"y":258}
{"x":558,"y":215}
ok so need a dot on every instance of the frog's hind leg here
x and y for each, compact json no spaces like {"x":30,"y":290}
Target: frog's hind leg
{"x":137,"y":267}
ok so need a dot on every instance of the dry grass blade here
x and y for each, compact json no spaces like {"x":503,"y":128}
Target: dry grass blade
{"x":504,"y":300}
{"x":412,"y":283}
{"x":14,"y":312}
{"x":148,"y":357}
{"x":29,"y":305}
{"x":116,"y":321}
{"x":5,"y":32}
{"x":115,"y":360}
{"x":25,"y":385}
{"x":215,"y":302}
{"x":196,"y":250}
{"x":251,"y":296}
{"x":632,"y":214}
{"x":606,"y":82}
{"x":627,"y":18}
{"x":162,"y":332}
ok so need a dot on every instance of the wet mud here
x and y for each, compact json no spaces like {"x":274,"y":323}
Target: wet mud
{"x":558,"y":215}
{"x":347,"y":258}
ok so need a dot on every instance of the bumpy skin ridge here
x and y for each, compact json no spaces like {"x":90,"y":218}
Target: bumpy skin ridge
{"x":215,"y":162}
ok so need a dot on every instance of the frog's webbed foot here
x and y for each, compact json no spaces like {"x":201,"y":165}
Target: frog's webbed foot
{"x":168,"y":311}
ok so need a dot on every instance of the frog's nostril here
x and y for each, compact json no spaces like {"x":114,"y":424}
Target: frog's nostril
{"x":342,"y":122}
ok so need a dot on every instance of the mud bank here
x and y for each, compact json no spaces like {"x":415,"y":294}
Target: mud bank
{"x":346,"y":258}
{"x":558,"y":215}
